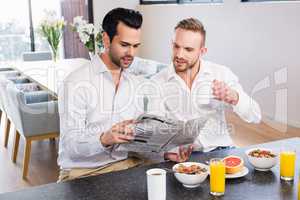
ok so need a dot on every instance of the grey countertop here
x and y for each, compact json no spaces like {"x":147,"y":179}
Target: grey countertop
{"x":131,"y":184}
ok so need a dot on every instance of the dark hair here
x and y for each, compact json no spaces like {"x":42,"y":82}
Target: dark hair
{"x":129,"y":17}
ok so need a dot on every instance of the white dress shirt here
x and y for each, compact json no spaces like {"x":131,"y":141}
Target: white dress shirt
{"x":88,"y":106}
{"x":176,"y":100}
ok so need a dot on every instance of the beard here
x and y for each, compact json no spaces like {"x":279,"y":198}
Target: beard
{"x":182,"y":65}
{"x":122,"y":62}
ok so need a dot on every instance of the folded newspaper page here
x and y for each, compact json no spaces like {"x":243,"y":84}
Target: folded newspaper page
{"x":157,"y":134}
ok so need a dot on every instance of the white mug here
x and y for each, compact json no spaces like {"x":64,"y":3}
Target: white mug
{"x":156,"y":184}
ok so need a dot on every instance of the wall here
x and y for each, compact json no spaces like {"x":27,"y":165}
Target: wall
{"x":101,"y":7}
{"x":254,"y":39}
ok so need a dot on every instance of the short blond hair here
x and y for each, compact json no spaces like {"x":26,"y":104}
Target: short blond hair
{"x":192,"y":24}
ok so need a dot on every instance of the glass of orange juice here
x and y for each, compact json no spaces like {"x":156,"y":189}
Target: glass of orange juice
{"x":299,"y":189}
{"x":287,"y":165}
{"x":299,"y":186}
{"x":217,"y":177}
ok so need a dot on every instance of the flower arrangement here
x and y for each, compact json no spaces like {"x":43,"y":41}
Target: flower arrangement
{"x":88,"y":34}
{"x":51,"y":27}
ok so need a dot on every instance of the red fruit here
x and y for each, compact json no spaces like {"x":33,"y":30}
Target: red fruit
{"x":233,"y":164}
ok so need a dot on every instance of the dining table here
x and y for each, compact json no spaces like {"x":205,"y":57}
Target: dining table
{"x":47,"y":73}
{"x":131,"y":184}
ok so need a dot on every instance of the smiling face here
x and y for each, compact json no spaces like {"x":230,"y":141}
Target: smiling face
{"x":124,"y":45}
{"x":188,"y":48}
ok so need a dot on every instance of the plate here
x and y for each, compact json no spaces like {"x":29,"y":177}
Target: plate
{"x":242,"y":173}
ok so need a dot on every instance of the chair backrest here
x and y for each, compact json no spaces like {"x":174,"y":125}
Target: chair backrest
{"x":4,"y":75}
{"x":33,"y":113}
{"x":13,"y":103}
{"x":28,"y":87}
{"x":36,"y":56}
{"x":19,"y":79}
{"x":3,"y":93}
{"x":7,"y":74}
{"x":5,"y":69}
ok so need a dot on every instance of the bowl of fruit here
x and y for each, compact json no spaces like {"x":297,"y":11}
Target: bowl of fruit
{"x":262,"y":159}
{"x":190,"y":174}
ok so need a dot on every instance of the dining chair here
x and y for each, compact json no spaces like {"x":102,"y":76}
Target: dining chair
{"x":21,"y":84}
{"x":3,"y":70}
{"x":35,"y":116}
{"x":10,"y":73}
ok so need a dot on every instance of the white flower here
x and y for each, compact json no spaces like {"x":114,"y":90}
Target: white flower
{"x":90,"y":28}
{"x":51,"y":28}
{"x":52,"y":20}
{"x":50,"y":17}
{"x":95,"y":31}
{"x":84,"y":37}
{"x":86,"y":31}
{"x":78,"y":22}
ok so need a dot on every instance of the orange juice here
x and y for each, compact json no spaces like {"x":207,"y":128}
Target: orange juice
{"x":287,"y":165}
{"x":299,"y":189}
{"x":217,"y":177}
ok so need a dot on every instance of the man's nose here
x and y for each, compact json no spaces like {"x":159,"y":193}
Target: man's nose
{"x":179,"y":53}
{"x":131,"y":51}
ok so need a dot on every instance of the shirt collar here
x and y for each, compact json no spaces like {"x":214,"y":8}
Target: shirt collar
{"x":98,"y":65}
{"x":204,"y":70}
{"x":171,"y":72}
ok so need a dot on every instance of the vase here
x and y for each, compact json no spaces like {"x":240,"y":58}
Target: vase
{"x":91,"y":55}
{"x":55,"y":54}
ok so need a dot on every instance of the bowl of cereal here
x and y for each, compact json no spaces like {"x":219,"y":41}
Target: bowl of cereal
{"x":262,"y":159}
{"x":190,"y":174}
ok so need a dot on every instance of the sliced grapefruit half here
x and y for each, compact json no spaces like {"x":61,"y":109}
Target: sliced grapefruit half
{"x":233,"y":164}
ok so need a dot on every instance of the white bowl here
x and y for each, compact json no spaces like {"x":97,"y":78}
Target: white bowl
{"x":191,"y":180}
{"x":262,"y":164}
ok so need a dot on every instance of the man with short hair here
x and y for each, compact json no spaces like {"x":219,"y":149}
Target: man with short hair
{"x":188,"y":85}
{"x":97,"y":103}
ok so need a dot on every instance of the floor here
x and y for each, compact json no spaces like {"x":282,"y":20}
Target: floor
{"x":43,"y":168}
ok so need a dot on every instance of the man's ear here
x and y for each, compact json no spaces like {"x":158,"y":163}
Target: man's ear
{"x":203,"y":50}
{"x":106,"y":40}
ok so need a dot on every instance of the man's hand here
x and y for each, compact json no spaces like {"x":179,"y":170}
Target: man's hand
{"x":223,"y":92}
{"x":182,"y":156}
{"x":119,"y":133}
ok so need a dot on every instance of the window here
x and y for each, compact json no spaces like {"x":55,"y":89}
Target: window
{"x":178,"y":1}
{"x":158,"y":1}
{"x":201,"y":1}
{"x":14,"y":29}
{"x":266,"y":0}
{"x":38,"y":7}
{"x":18,"y":27}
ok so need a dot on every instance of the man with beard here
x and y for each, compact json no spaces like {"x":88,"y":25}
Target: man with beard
{"x":99,"y":101}
{"x":97,"y":104}
{"x":190,"y":85}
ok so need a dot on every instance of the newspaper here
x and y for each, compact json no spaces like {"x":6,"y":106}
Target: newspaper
{"x":157,"y":134}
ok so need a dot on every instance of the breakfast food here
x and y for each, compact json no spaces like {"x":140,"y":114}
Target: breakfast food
{"x":233,"y":164}
{"x":192,"y":169}
{"x":262,"y":159}
{"x":261,"y":154}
